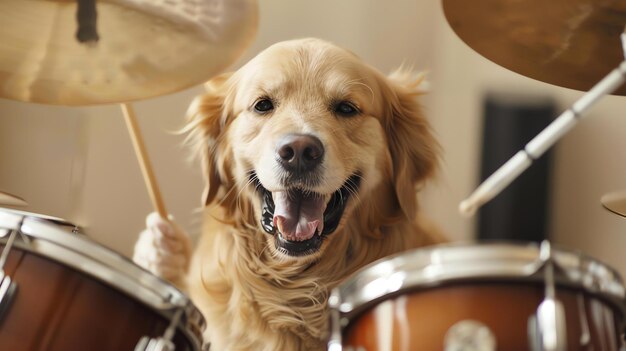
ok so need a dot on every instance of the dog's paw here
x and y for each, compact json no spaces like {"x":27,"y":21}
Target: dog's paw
{"x":163,"y":249}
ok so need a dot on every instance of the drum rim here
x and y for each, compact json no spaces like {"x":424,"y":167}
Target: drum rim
{"x":105,"y":265}
{"x":432,"y":266}
{"x":43,"y":217}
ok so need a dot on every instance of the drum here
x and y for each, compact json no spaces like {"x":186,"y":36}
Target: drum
{"x":61,"y":291}
{"x":480,"y":297}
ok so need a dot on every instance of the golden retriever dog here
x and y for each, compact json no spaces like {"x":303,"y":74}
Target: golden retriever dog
{"x":312,"y":161}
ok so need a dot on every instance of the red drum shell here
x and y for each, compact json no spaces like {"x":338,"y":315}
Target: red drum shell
{"x":447,"y":296}
{"x":421,"y":319}
{"x":58,"y":308}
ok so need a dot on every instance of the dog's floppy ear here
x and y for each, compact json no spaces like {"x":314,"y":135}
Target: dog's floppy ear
{"x":207,"y":118}
{"x":414,"y":150}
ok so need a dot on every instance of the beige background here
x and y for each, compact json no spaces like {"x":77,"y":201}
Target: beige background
{"x":77,"y":163}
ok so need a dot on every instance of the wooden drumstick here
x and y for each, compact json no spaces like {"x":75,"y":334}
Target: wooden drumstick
{"x":144,"y":161}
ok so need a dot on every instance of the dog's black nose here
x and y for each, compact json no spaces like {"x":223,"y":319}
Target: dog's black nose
{"x":300,"y":152}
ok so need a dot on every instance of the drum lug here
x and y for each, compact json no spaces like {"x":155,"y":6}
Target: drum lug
{"x":162,"y":343}
{"x":154,"y":344}
{"x":8,"y":289}
{"x":334,"y":343}
{"x":547,"y":330}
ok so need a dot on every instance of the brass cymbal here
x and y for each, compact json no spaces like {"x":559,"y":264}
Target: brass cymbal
{"x":7,"y":199}
{"x":569,"y":43}
{"x":146,"y":48}
{"x":615,"y":202}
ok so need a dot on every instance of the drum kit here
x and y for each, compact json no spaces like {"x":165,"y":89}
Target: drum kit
{"x":61,"y":291}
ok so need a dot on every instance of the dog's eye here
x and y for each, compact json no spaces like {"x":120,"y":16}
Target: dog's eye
{"x":263,"y":106}
{"x":346,"y":109}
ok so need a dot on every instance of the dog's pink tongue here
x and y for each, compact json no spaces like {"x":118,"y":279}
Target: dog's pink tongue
{"x":297,"y":215}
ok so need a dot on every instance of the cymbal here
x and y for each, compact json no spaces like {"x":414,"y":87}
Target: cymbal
{"x":569,"y":43}
{"x":146,"y":48}
{"x":615,"y":202}
{"x":7,"y":199}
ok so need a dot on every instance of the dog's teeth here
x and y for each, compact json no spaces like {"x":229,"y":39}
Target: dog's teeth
{"x":313,"y":226}
{"x":279,"y":222}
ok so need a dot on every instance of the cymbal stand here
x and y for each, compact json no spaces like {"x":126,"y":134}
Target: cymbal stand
{"x":508,"y":172}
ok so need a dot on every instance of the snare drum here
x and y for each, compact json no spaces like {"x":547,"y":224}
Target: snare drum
{"x":480,"y":297}
{"x":60,"y":291}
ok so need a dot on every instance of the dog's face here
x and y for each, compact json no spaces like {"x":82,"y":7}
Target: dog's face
{"x":304,"y":132}
{"x":307,"y":139}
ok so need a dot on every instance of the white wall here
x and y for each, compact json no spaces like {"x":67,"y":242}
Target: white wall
{"x":78,"y":163}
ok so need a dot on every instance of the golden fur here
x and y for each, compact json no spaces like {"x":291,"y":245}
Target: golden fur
{"x":253,"y":296}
